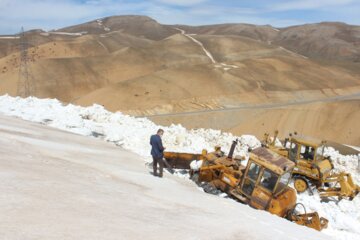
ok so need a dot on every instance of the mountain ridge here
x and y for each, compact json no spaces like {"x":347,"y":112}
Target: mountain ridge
{"x":138,"y":66}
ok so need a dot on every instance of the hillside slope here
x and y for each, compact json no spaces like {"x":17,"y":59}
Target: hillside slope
{"x":141,"y":67}
{"x":335,"y":119}
{"x":327,"y":40}
{"x":65,"y":186}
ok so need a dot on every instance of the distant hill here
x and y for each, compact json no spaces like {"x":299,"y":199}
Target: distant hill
{"x":332,"y":41}
{"x":139,"y":26}
{"x":327,"y":40}
{"x":136,"y":65}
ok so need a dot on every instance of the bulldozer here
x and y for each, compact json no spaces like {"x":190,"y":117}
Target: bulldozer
{"x":312,"y":167}
{"x":262,"y":183}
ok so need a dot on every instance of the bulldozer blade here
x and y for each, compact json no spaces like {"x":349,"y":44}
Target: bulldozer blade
{"x":238,"y":196}
{"x":311,"y":220}
{"x":181,"y":160}
{"x":344,"y":187}
{"x":167,"y":165}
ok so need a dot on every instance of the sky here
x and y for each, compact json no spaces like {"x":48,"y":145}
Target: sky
{"x":53,"y":14}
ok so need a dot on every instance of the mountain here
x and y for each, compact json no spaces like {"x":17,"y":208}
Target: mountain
{"x":139,"y":26}
{"x":194,"y":75}
{"x":327,"y":40}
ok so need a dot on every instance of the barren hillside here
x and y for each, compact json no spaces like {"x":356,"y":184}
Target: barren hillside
{"x":327,"y":40}
{"x":139,"y":66}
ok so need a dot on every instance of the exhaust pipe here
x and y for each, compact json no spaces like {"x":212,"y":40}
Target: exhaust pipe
{"x":232,"y":149}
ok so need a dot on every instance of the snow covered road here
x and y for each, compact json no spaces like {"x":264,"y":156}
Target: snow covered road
{"x":58,"y":185}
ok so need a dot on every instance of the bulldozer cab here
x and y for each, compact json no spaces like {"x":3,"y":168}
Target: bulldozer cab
{"x":258,"y":176}
{"x":266,"y":176}
{"x":312,"y":167}
{"x":306,"y":150}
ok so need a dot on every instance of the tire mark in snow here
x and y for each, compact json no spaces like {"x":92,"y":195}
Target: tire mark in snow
{"x":251,"y":217}
{"x":278,"y":231}
{"x":265,"y":223}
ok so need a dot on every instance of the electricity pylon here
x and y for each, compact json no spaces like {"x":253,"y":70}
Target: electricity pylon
{"x":26,"y":83}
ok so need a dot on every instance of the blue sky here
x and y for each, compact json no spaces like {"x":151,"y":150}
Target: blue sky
{"x":52,"y":14}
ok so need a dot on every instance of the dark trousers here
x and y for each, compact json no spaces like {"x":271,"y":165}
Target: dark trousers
{"x":157,"y":161}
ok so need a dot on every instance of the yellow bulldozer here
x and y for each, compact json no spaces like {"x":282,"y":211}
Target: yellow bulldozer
{"x":262,"y":183}
{"x":312,"y":167}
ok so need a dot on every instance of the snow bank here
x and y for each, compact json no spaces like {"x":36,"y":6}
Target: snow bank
{"x":9,"y":37}
{"x":345,"y":163}
{"x":133,"y":134}
{"x":126,"y":131}
{"x":68,"y":33}
{"x":343,"y":216}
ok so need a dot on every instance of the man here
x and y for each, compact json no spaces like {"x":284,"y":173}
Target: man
{"x":157,"y":151}
{"x":309,"y":153}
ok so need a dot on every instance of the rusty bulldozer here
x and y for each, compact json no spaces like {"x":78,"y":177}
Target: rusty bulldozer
{"x":312,"y":167}
{"x":262,"y":183}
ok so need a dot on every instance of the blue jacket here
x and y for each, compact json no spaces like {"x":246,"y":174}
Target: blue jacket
{"x":157,"y":148}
